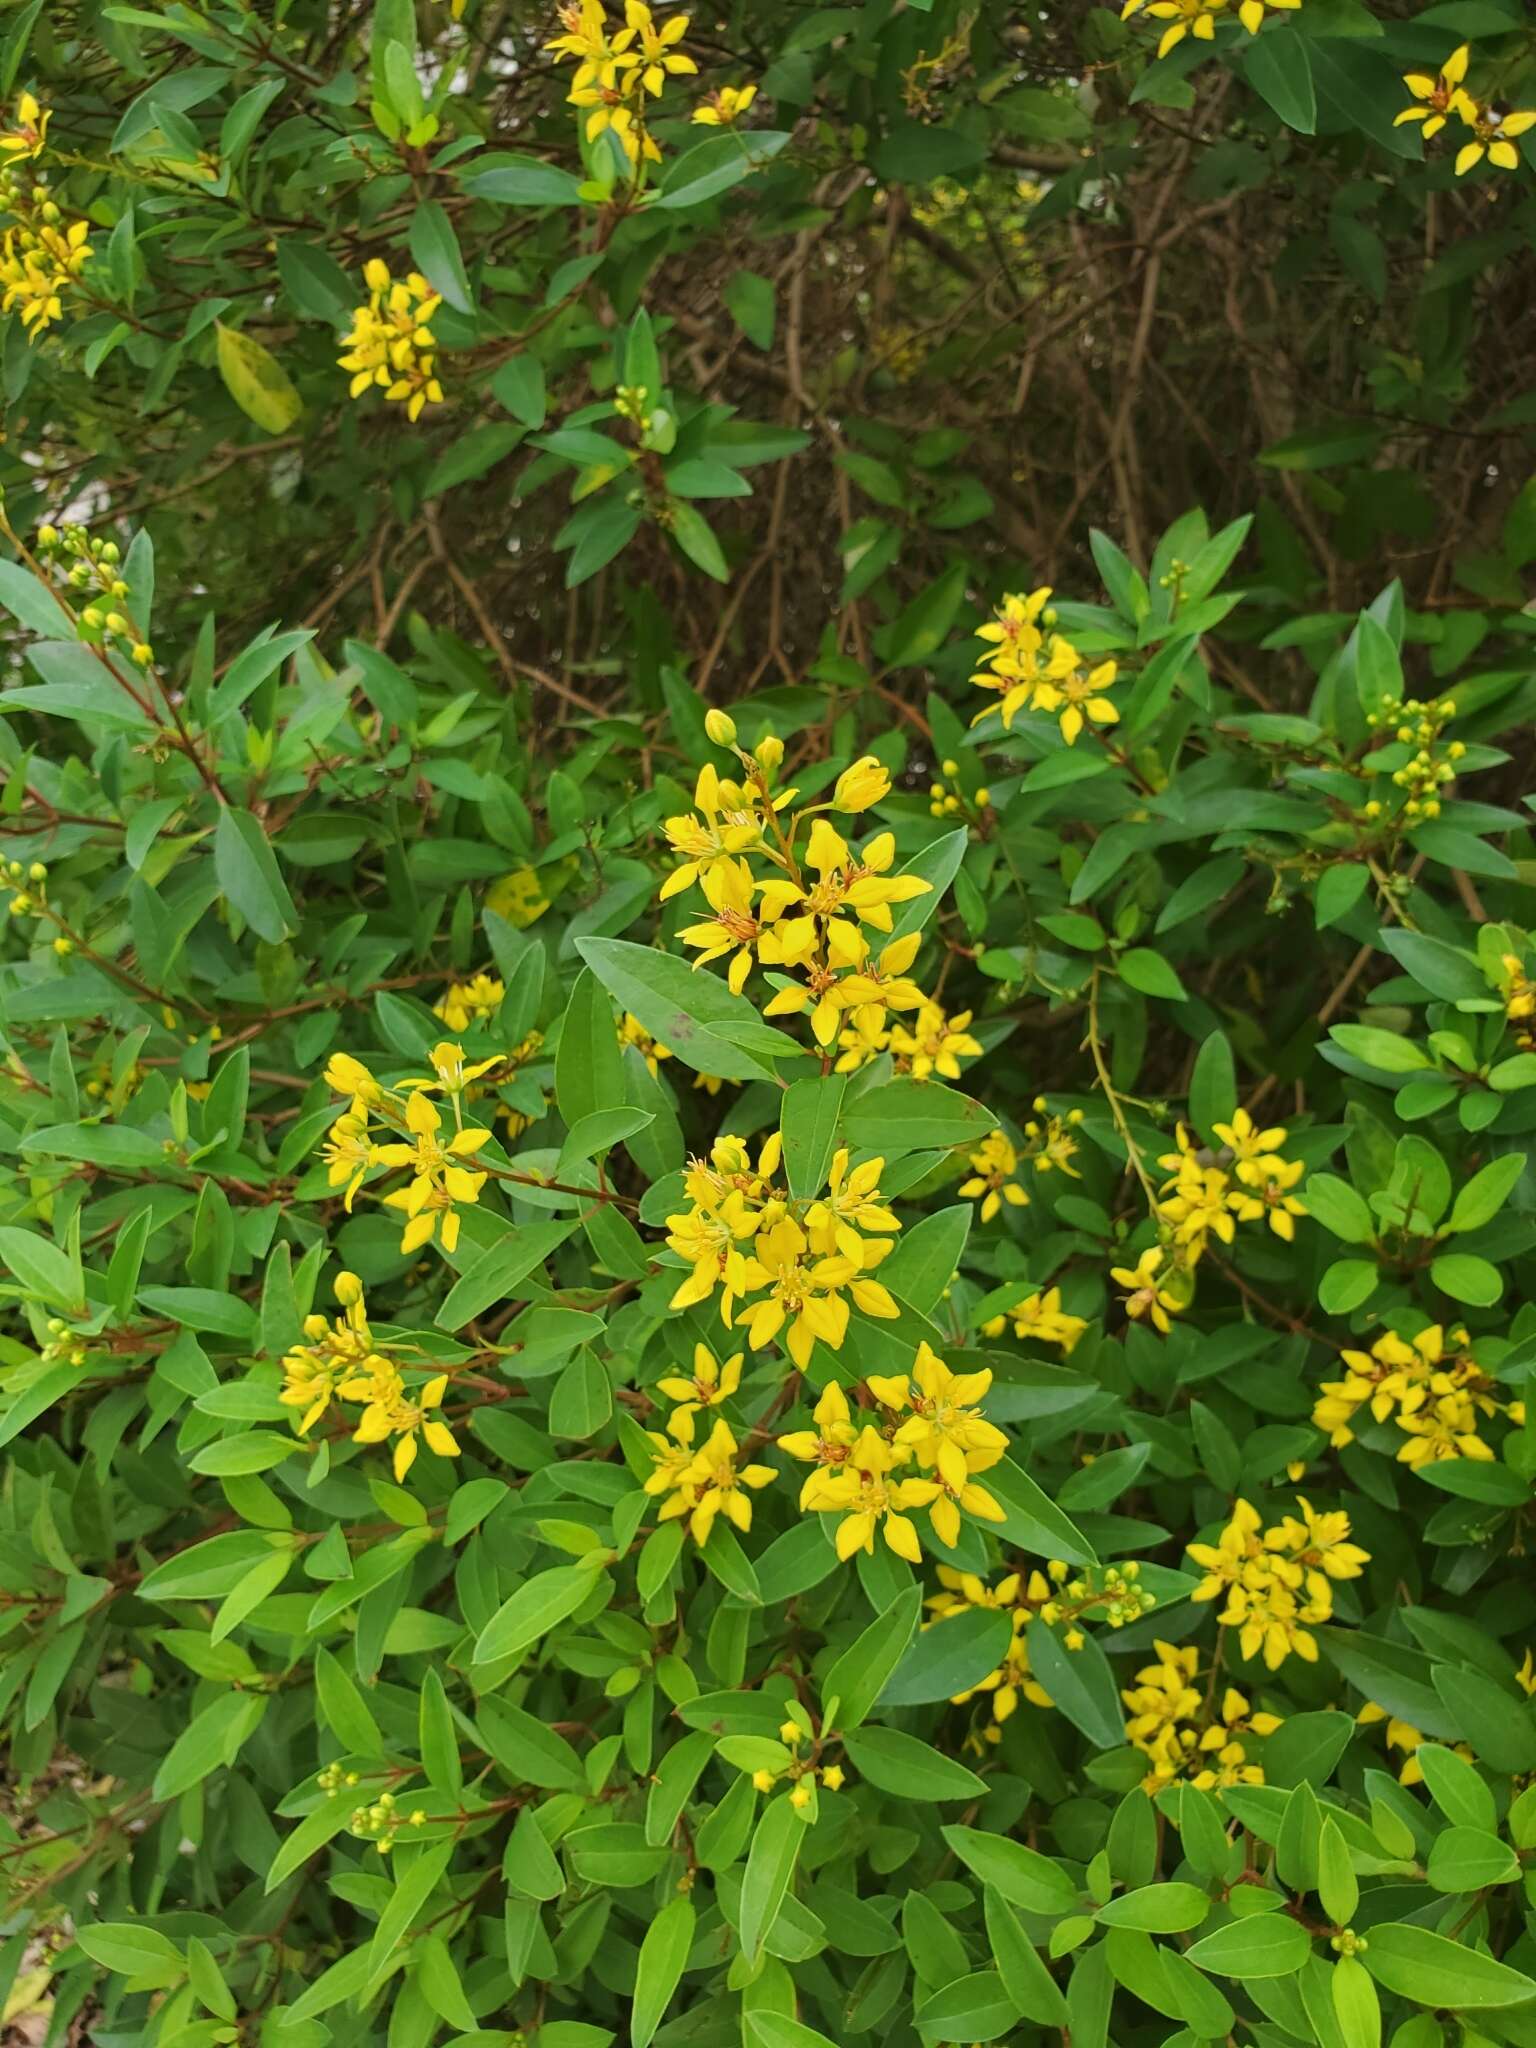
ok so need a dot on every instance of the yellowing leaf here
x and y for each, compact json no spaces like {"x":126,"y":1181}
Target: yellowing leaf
{"x":257,"y":381}
{"x":518,"y":897}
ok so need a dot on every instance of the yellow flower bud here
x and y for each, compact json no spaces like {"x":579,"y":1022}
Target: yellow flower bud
{"x":770,"y":752}
{"x":37,"y":872}
{"x":721,"y":728}
{"x":950,"y":767}
{"x":349,"y":1289}
{"x":63,"y":947}
{"x":800,"y":1798}
{"x":116,"y":623}
{"x":791,"y":1732}
{"x":832,"y":1777}
{"x":143,"y":654}
{"x":983,"y":798}
{"x":47,"y":536}
{"x":865,"y":783}
{"x":763,"y":1780}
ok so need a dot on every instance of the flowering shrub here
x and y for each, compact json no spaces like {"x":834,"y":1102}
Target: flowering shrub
{"x":780,"y":1293}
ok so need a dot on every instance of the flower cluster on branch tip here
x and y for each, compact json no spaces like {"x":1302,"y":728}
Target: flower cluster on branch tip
{"x":1437,"y":96}
{"x":440,"y":1183}
{"x":342,"y":1361}
{"x":1277,"y":1583}
{"x":1430,"y":1386}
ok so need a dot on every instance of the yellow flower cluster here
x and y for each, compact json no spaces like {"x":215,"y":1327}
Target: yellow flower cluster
{"x":1043,"y":671}
{"x":1519,"y":998}
{"x":1049,"y":1147}
{"x":341,"y":1361}
{"x":805,"y":1260}
{"x":944,"y":802}
{"x":723,"y":109}
{"x":1425,"y":773}
{"x":616,"y":69}
{"x":464,"y":1004}
{"x":1183,"y":1733}
{"x":27,"y":135}
{"x":1438,"y":95}
{"x":1039,"y":1316}
{"x":1277,"y":1581}
{"x":807,"y":915}
{"x":926,"y":1041}
{"x":1205,"y":1198}
{"x":38,"y":265}
{"x":440,"y":1182}
{"x":1439,"y":1401}
{"x":390,"y":344}
{"x":702,"y":1481}
{"x":1197,"y":18}
{"x":801,"y":1767}
{"x":860,"y":1471}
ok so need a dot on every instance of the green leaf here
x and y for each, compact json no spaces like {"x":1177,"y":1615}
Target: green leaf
{"x":910,"y":1769}
{"x":532,"y":1611}
{"x":1465,"y":1278}
{"x":1079,"y":1681}
{"x":1034,"y":1991}
{"x":1034,"y":1522}
{"x":589,"y":1067}
{"x":663,"y":1954}
{"x":500,"y":1268}
{"x":749,"y":299}
{"x":692,"y":1012}
{"x":859,"y":1676}
{"x":908,"y":1115}
{"x":1339,"y":1209}
{"x":1018,"y":1874}
{"x":212,"y":1739}
{"x":1467,"y":1859}
{"x":1481,"y":1198}
{"x":1434,"y":1971}
{"x":1151,"y":974}
{"x":949,"y":1656}
{"x":1259,"y":1945}
{"x":1157,"y":1909}
{"x":1279,"y":69}
{"x":248,"y":875}
{"x":48,"y":1274}
{"x":808,"y":1120}
{"x":523,"y":181}
{"x":129,"y":1949}
{"x":436,"y":254}
{"x":714,"y":165}
{"x":343,"y":1709}
{"x":770,"y":1866}
{"x":256,"y":381}
{"x":1383,"y":1050}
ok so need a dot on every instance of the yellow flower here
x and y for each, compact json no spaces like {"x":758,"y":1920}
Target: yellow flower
{"x":867,"y":1497}
{"x":348,"y":1076}
{"x":711,"y":1384}
{"x":883,"y":984}
{"x":449,"y":1074}
{"x":472,"y":1002}
{"x":1271,"y":1181}
{"x":945,"y":1428}
{"x":37,"y":267}
{"x":862,"y":785}
{"x":609,"y":113}
{"x":390,"y":344}
{"x":843,"y":882}
{"x":850,"y":1205}
{"x":658,"y":58}
{"x":26,"y":138}
{"x":348,"y":1154}
{"x":672,"y":1454}
{"x":1186,"y":17}
{"x":1042,"y":1317}
{"x":724,"y":108}
{"x":1146,"y":1289}
{"x":728,"y":823}
{"x":1245,"y":1141}
{"x":1277,"y":1581}
{"x":586,"y":40}
{"x":1493,"y":136}
{"x":995,"y":1177}
{"x":712,"y":1485}
{"x":734,"y":928}
{"x":1440,"y":96}
{"x":830,"y":1442}
{"x":1251,"y":12}
{"x":1078,"y":695}
{"x":393,"y":1414}
{"x":438,"y":1181}
{"x":313,"y":1372}
{"x":932,"y":1042}
{"x":805,"y":1297}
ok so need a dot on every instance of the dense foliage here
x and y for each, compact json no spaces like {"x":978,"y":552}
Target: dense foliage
{"x":767,"y":1221}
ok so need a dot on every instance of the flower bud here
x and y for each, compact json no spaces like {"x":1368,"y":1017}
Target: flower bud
{"x":865,"y":783}
{"x":721,"y":728}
